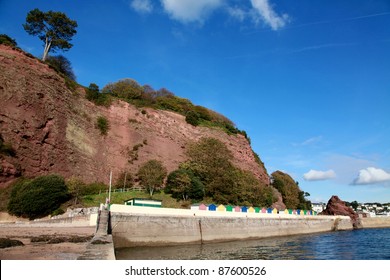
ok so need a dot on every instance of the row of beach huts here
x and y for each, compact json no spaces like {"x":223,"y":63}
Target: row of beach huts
{"x":221,"y":208}
{"x":245,"y":209}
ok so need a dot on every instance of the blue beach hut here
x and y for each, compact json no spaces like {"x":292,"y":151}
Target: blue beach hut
{"x":212,"y":207}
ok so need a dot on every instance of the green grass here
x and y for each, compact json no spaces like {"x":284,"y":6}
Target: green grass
{"x":120,"y":197}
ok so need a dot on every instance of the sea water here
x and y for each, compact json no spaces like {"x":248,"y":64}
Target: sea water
{"x":362,"y":244}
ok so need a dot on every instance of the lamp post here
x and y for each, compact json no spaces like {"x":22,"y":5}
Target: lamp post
{"x":109,"y":191}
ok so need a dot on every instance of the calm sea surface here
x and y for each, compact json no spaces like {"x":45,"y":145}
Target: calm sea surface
{"x":363,"y":244}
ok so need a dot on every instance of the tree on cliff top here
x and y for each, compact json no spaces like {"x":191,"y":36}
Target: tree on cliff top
{"x":55,"y":29}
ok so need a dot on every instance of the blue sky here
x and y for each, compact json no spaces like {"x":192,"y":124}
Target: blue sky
{"x":309,"y":80}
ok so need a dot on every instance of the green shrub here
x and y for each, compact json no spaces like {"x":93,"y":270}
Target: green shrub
{"x":38,"y":197}
{"x":6,"y":148}
{"x":6,"y":40}
{"x":62,"y":65}
{"x":127,"y":89}
{"x":57,"y":212}
{"x":103,"y":125}
{"x":193,"y":118}
{"x":93,"y":94}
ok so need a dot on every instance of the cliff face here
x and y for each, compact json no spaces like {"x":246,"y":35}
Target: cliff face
{"x":52,"y":129}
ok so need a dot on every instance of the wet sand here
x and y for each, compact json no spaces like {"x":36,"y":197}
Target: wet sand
{"x":42,"y":250}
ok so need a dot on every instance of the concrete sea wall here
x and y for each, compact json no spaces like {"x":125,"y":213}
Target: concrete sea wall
{"x":375,"y":222}
{"x":142,"y":226}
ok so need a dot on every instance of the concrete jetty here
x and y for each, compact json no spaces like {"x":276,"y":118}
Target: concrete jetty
{"x":101,"y":246}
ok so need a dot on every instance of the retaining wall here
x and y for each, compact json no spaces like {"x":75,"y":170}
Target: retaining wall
{"x":375,"y":222}
{"x":143,"y":226}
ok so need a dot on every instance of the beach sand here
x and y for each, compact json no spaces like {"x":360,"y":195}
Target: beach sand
{"x":43,"y":250}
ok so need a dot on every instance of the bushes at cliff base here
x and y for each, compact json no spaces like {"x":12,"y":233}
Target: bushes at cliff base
{"x":37,"y":197}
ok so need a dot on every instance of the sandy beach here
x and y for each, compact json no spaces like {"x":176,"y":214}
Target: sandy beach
{"x":43,"y":250}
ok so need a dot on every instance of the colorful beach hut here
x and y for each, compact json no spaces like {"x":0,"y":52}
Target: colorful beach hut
{"x":269,"y":210}
{"x":290,"y":211}
{"x":221,"y":208}
{"x":203,"y":207}
{"x":229,"y":208}
{"x":275,"y":211}
{"x":251,"y":210}
{"x":237,"y":209}
{"x":244,"y":209}
{"x":257,"y":209}
{"x":263,"y":210}
{"x":212,"y":207}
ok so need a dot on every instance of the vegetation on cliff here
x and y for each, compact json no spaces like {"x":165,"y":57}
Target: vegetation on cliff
{"x":292,"y":195}
{"x":6,"y":148}
{"x":209,"y":172}
{"x":145,"y":96}
{"x":38,"y":197}
{"x":7,"y":40}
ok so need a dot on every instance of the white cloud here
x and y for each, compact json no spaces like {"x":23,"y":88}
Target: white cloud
{"x":142,"y":6}
{"x":345,"y":166}
{"x":316,"y":175}
{"x":371,"y":175}
{"x":237,"y":13}
{"x":265,"y":12}
{"x":190,"y":10}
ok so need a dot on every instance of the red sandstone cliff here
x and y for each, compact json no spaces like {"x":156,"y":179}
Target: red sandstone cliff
{"x":53,"y":129}
{"x":336,"y":206}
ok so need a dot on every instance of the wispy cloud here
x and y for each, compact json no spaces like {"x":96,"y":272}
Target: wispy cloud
{"x":339,"y":20}
{"x":310,"y":141}
{"x":265,"y":13}
{"x":188,"y":11}
{"x":319,"y":47}
{"x":142,"y":6}
{"x":197,"y":11}
{"x":317,"y":175}
{"x":237,"y":13}
{"x":371,"y":175}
